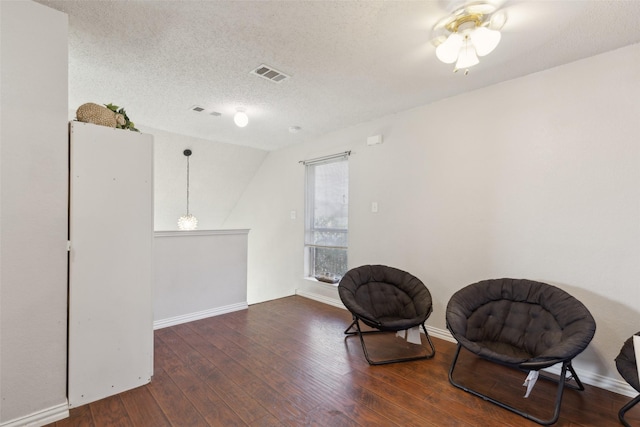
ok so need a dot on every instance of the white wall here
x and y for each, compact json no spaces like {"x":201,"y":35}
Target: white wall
{"x":275,"y":242}
{"x":198,"y":274}
{"x":33,"y":214}
{"x":532,"y":178}
{"x":219,"y":173}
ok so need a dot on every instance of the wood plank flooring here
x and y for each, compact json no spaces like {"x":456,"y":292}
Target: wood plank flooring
{"x":287,"y":363}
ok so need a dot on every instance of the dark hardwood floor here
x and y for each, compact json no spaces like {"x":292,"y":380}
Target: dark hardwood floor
{"x":287,"y":363}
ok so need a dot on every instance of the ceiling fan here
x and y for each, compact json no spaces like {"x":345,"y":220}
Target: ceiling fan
{"x":470,"y":31}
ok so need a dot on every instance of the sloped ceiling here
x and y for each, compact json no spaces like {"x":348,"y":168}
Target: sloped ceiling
{"x":349,"y":61}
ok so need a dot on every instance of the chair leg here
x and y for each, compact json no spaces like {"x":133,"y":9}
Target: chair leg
{"x":348,"y":331}
{"x":625,"y":408}
{"x":433,"y":348}
{"x":561,"y":385}
{"x":574,"y":376}
{"x":360,"y":333}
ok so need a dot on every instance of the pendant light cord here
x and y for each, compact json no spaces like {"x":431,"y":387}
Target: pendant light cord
{"x":187,"y":185}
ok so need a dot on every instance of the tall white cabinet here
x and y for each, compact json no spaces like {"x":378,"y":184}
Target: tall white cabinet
{"x":110,"y":261}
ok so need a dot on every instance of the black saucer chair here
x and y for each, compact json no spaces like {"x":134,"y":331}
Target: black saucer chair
{"x":387,"y":300}
{"x":521,"y":324}
{"x":628,"y":368}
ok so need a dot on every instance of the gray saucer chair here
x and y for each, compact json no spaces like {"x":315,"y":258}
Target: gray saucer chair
{"x":388,"y":300}
{"x":521,"y":324}
{"x":628,"y":368}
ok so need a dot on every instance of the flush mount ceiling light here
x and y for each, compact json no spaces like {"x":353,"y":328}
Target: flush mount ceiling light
{"x":240,"y":118}
{"x":467,"y":33}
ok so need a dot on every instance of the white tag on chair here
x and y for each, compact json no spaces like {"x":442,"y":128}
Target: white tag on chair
{"x":413,"y":335}
{"x":401,"y":334}
{"x":530,"y":381}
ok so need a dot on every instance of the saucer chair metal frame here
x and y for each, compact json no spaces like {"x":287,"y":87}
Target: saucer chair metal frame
{"x":388,"y":300}
{"x":483,"y":318}
{"x":627,"y":367}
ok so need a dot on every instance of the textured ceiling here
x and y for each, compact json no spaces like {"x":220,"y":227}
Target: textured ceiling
{"x":349,"y":61}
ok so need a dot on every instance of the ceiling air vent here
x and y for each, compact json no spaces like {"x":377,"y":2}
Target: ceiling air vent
{"x":199,"y":109}
{"x":269,"y":73}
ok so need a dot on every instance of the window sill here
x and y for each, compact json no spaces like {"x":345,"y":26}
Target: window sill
{"x":320,"y":282}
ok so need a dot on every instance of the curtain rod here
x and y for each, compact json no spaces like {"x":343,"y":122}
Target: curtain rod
{"x":323,"y":158}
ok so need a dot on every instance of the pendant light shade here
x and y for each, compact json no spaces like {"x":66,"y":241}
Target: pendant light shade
{"x":187,"y":222}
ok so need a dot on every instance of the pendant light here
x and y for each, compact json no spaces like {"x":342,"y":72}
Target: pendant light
{"x":188,"y":221}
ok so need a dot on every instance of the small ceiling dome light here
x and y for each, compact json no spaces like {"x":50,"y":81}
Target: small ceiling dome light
{"x":240,"y":118}
{"x":188,"y":221}
{"x":470,"y":31}
{"x":294,"y":129}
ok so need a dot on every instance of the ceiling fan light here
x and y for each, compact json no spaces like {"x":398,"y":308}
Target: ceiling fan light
{"x":498,"y":20}
{"x":448,"y":51}
{"x":484,"y":40}
{"x":241,"y":119}
{"x":467,"y":57}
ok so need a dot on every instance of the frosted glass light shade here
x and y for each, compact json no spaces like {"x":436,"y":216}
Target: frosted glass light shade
{"x":484,"y":40}
{"x":447,"y":52}
{"x":241,"y":119}
{"x":467,"y":56}
{"x":187,"y":222}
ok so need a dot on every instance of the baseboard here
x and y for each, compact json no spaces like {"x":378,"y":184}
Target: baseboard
{"x":443,"y":334}
{"x":177,"y":320}
{"x":321,"y":298}
{"x":611,"y":384}
{"x":434,"y":332}
{"x":40,"y":418}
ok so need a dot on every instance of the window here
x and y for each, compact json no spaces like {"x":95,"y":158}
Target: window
{"x":327,"y":218}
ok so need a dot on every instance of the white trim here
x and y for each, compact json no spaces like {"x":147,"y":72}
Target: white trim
{"x":611,"y":384}
{"x":40,"y":418}
{"x":172,"y":321}
{"x":321,"y":298}
{"x":443,"y":334}
{"x":434,"y":332}
{"x":175,"y":233}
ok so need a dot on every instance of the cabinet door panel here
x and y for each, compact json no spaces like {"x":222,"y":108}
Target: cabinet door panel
{"x":110,"y":262}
